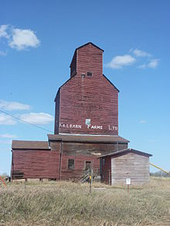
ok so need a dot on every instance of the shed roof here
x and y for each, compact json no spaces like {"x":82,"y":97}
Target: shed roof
{"x":22,"y":144}
{"x":124,"y":152}
{"x":87,"y":138}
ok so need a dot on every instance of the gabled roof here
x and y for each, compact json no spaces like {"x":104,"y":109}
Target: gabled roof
{"x":22,"y":144}
{"x":87,"y":138}
{"x":126,"y":151}
{"x":89,"y":43}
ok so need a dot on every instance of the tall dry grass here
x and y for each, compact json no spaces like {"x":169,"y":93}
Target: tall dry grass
{"x":66,"y":203}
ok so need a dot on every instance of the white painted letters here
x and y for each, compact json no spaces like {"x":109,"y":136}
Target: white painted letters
{"x":70,"y":126}
{"x":113,"y":127}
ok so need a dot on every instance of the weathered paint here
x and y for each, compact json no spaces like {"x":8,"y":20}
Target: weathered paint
{"x":128,"y":164}
{"x":131,"y":165}
{"x":35,"y":164}
{"x":83,"y":105}
{"x":88,"y":97}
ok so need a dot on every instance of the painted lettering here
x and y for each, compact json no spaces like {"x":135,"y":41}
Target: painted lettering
{"x":72,"y":126}
{"x":94,"y":127}
{"x":112,"y":127}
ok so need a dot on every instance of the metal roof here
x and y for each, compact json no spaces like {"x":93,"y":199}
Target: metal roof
{"x":41,"y":145}
{"x":87,"y":138}
{"x":126,"y":151}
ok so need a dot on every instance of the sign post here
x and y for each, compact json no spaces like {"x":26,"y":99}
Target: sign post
{"x":91,"y":179}
{"x":128,"y":182}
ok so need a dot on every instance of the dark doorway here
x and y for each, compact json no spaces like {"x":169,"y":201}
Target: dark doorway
{"x":88,"y":165}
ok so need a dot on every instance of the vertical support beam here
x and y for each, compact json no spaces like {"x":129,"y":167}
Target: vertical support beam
{"x":60,"y":161}
{"x":109,"y":177}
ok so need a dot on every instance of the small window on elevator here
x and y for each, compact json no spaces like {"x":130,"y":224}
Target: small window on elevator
{"x":71,"y":164}
{"x":89,"y":73}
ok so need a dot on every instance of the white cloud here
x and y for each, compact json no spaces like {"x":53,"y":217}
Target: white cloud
{"x":37,"y":118}
{"x":153,"y":63}
{"x":19,"y":39}
{"x":7,"y":135}
{"x":142,"y":121}
{"x":3,"y":31}
{"x":140,"y":53}
{"x":120,"y":61}
{"x":23,"y":38}
{"x":141,"y":58}
{"x":13,"y":106}
{"x":6,"y":120}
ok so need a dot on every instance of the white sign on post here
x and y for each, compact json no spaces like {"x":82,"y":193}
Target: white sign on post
{"x":128,"y":181}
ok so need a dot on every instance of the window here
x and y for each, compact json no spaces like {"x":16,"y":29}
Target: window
{"x":87,"y":165}
{"x":71,"y":164}
{"x":89,"y":73}
{"x":88,"y":121}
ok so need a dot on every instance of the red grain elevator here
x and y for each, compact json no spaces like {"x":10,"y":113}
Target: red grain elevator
{"x":87,"y":103}
{"x":86,"y":122}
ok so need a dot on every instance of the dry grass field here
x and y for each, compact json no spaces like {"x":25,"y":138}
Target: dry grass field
{"x":67,"y":203}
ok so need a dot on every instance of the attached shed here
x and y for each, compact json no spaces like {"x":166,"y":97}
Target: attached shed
{"x":116,"y":167}
{"x":33,"y":159}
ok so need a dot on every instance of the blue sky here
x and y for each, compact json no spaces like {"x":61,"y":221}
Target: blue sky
{"x":37,"y":42}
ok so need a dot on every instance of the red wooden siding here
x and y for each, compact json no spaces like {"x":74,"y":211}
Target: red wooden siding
{"x":35,"y":164}
{"x":79,"y":166}
{"x":90,"y":97}
{"x":89,"y":59}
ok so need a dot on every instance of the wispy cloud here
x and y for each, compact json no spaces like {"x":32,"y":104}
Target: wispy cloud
{"x":142,"y":121}
{"x":37,"y":118}
{"x":5,"y":142}
{"x":120,"y":61}
{"x":3,"y":53}
{"x":22,"y":39}
{"x":140,"y":53}
{"x":13,"y":106}
{"x":153,"y":63}
{"x":7,"y":135}
{"x":6,"y":120}
{"x":3,"y":31}
{"x":142,"y":66}
{"x":140,"y":58}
